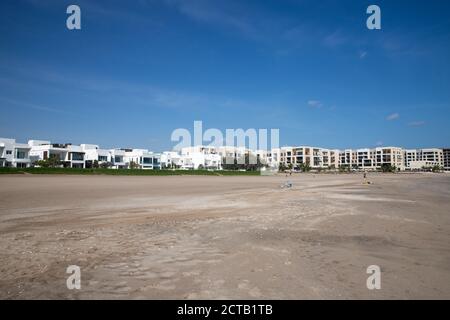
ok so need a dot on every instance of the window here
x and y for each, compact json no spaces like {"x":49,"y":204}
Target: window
{"x":117,"y":159}
{"x":77,"y":156}
{"x":21,"y":155}
{"x":102,"y":158}
{"x":8,"y":151}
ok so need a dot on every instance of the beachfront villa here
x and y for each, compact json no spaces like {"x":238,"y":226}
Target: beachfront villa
{"x":13,"y":154}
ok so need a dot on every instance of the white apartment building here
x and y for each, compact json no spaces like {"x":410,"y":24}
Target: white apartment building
{"x":84,"y":155}
{"x":13,"y":154}
{"x":372,"y":159}
{"x":170,"y":159}
{"x":70,"y":155}
{"x":321,"y":158}
{"x":200,"y":161}
{"x":274,"y":158}
{"x":365,"y":159}
{"x":199,"y":149}
{"x":233,"y":152}
{"x":416,"y":159}
{"x":263,"y":156}
{"x":347,"y":157}
{"x":118,"y":159}
{"x":143,"y":158}
{"x":93,"y":154}
{"x":388,"y":156}
{"x":286,"y":156}
{"x":446,"y":159}
{"x":313,"y":157}
{"x":330,"y":158}
{"x":200,"y":157}
{"x":316,"y":158}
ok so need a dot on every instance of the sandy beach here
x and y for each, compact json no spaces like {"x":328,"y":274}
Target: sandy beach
{"x":206,"y":237}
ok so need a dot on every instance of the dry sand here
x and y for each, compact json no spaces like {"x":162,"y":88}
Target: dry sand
{"x":200,"y":237}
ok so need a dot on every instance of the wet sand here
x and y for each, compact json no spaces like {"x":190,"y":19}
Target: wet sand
{"x":201,"y":237}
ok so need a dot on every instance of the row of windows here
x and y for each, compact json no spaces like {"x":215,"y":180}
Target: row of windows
{"x":149,"y":160}
{"x":19,"y":154}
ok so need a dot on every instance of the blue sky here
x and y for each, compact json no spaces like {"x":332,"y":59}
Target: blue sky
{"x":137,"y":70}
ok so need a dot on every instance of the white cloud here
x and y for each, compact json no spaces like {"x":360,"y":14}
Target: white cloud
{"x":416,"y":123}
{"x":393,"y":116}
{"x":362,"y":54}
{"x":314,"y":103}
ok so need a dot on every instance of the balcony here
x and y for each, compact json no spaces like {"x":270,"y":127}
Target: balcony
{"x":76,"y":156}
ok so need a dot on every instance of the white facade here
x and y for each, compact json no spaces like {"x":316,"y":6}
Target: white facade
{"x":170,"y":159}
{"x":416,"y":159}
{"x":446,"y":159}
{"x":312,"y":157}
{"x":13,"y":154}
{"x":233,"y":152}
{"x":274,"y":158}
{"x":320,"y":158}
{"x":389,"y":155}
{"x":346,"y":157}
{"x":143,"y":158}
{"x":69,"y":155}
{"x":93,"y":154}
{"x":366,"y":159}
{"x":330,"y":158}
{"x":263,"y":156}
{"x":85,"y":155}
{"x":286,"y":155}
{"x":118,"y":159}
{"x":200,"y":157}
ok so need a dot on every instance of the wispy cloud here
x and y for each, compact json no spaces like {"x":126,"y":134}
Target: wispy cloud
{"x":335,"y":39}
{"x":399,"y":43}
{"x":107,"y":90}
{"x":393,"y":116}
{"x":222,"y":14}
{"x":379,"y":143}
{"x":315,"y":103}
{"x":416,"y":123}
{"x":362,"y":54}
{"x":32,"y":106}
